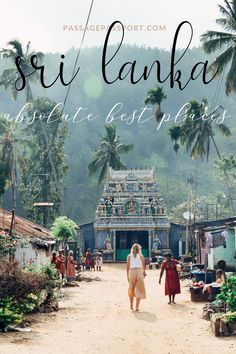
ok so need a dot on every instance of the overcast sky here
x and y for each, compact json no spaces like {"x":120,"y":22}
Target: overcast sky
{"x":50,"y":25}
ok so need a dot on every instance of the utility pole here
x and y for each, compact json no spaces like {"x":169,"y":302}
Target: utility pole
{"x":189,"y":214}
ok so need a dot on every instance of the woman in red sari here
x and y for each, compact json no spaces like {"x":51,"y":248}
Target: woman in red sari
{"x":172,"y":284}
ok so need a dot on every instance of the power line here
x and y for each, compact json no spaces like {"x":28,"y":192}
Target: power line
{"x":77,"y":57}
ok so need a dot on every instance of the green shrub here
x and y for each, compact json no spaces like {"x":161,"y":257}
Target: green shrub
{"x":228,"y":294}
{"x":28,"y":289}
{"x":9,"y":315}
{"x":7,"y":244}
{"x":31,"y":303}
{"x":52,"y":280}
{"x":17,"y":283}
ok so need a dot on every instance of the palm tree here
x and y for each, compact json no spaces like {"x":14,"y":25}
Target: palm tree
{"x":108,"y":154}
{"x":9,"y":156}
{"x":175,"y":133}
{"x":214,"y":41}
{"x":197,"y":134}
{"x":10,"y":76}
{"x":155,"y":97}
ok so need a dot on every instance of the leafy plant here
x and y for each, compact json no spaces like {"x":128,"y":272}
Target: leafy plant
{"x":108,"y":153}
{"x":44,"y":164}
{"x":155,"y":96}
{"x":17,"y":283}
{"x":30,"y":303}
{"x":51,"y":278}
{"x":9,"y":315}
{"x":230,"y":317}
{"x":228,"y":294}
{"x":7,"y":244}
{"x":223,"y":41}
{"x":64,"y":229}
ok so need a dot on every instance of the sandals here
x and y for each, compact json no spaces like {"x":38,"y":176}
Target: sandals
{"x":137,"y":310}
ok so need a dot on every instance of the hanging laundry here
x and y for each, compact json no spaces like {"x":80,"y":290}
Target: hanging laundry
{"x":209,"y":244}
{"x":224,"y":235}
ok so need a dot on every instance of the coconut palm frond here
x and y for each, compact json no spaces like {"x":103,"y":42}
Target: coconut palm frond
{"x":213,"y":40}
{"x":9,"y":77}
{"x":121,"y":148}
{"x":222,"y":60}
{"x":108,"y":155}
{"x":231,"y":77}
{"x":224,"y":130}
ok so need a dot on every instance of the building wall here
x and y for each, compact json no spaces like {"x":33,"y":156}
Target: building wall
{"x":175,"y":237}
{"x":163,"y":237}
{"x":227,"y":254}
{"x":29,"y":254}
{"x":88,"y":235}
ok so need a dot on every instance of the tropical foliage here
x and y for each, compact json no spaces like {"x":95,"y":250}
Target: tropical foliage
{"x":64,"y":229}
{"x":10,"y":156}
{"x":175,"y":133}
{"x":225,"y":42}
{"x":108,"y":154}
{"x":152,"y":148}
{"x":24,"y":290}
{"x":226,"y":170}
{"x":155,"y":97}
{"x":197,"y":132}
{"x":10,"y":77}
{"x":228,"y":293}
{"x":208,"y":207}
{"x":9,"y":315}
{"x":227,"y":163}
{"x":7,"y":244}
{"x":44,"y":163}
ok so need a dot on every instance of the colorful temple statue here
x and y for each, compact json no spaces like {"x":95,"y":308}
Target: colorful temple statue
{"x":107,"y":244}
{"x":131,"y":210}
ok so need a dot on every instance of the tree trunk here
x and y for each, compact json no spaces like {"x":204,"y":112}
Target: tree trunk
{"x":14,"y":185}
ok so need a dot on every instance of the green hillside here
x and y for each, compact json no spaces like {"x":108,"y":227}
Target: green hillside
{"x":152,"y":147}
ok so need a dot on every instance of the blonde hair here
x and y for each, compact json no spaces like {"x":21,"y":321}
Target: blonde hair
{"x":136,"y":248}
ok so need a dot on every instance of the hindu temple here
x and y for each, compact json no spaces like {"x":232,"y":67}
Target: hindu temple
{"x":131,"y":210}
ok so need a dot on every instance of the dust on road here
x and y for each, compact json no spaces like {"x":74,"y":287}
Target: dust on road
{"x":95,"y":318}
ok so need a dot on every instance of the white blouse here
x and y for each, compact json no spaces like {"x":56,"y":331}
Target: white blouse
{"x":135,"y":262}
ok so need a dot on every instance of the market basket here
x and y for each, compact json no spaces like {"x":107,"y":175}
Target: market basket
{"x":197,"y":295}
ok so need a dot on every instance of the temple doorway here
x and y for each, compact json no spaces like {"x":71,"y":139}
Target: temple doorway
{"x":125,"y":240}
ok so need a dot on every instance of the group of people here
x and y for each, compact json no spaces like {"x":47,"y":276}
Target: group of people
{"x":91,"y":262}
{"x":136,"y":273}
{"x":66,"y":266}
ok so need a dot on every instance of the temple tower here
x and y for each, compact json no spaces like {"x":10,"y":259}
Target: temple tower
{"x":131,"y":210}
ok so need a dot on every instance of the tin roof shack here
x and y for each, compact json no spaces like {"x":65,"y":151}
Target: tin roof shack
{"x":34,"y":242}
{"x":220,"y":250}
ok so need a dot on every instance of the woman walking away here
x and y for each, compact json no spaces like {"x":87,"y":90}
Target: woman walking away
{"x":135,"y":274}
{"x":172,"y":284}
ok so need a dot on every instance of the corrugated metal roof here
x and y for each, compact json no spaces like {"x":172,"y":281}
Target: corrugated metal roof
{"x":23,"y":227}
{"x":219,"y":222}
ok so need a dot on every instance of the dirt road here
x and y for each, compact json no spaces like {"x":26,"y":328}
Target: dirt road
{"x":95,"y":318}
